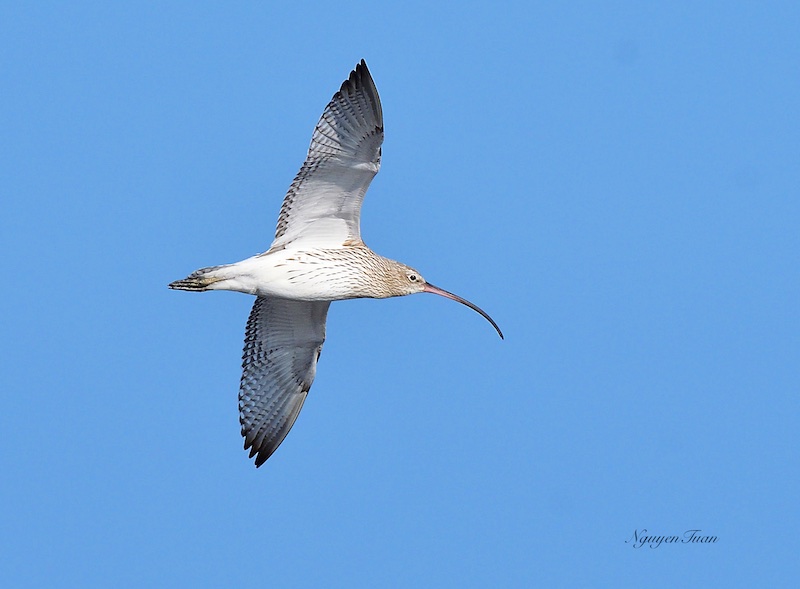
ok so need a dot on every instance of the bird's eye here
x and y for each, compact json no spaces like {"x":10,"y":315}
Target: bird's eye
{"x":412,"y":277}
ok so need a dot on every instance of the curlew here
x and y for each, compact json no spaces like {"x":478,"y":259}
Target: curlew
{"x":317,"y":257}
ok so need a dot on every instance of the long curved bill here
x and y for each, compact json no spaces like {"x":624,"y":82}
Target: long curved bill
{"x":428,"y":287}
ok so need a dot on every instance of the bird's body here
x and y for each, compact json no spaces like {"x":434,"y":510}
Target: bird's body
{"x":303,"y":273}
{"x":317,"y":257}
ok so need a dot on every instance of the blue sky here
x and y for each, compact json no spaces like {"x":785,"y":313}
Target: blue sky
{"x":615,"y":183}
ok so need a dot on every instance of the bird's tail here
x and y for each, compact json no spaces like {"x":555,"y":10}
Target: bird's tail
{"x":201,"y":279}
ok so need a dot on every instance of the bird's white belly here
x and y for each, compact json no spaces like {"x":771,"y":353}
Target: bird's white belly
{"x":293,"y":274}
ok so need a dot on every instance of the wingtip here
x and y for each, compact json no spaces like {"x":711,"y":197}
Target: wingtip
{"x":260,"y":453}
{"x":358,"y":76}
{"x":361,"y":80}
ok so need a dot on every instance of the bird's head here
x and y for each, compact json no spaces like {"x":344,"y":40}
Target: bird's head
{"x":407,"y":280}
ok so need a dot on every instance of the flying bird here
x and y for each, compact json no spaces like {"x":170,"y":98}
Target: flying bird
{"x":317,"y":257}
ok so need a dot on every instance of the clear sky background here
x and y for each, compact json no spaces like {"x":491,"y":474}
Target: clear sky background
{"x":617,"y":184}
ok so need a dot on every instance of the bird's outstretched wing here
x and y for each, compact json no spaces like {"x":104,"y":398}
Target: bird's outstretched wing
{"x":282,"y":343}
{"x":323,"y":204}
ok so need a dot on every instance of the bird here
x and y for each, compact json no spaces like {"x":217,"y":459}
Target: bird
{"x":316,"y":257}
